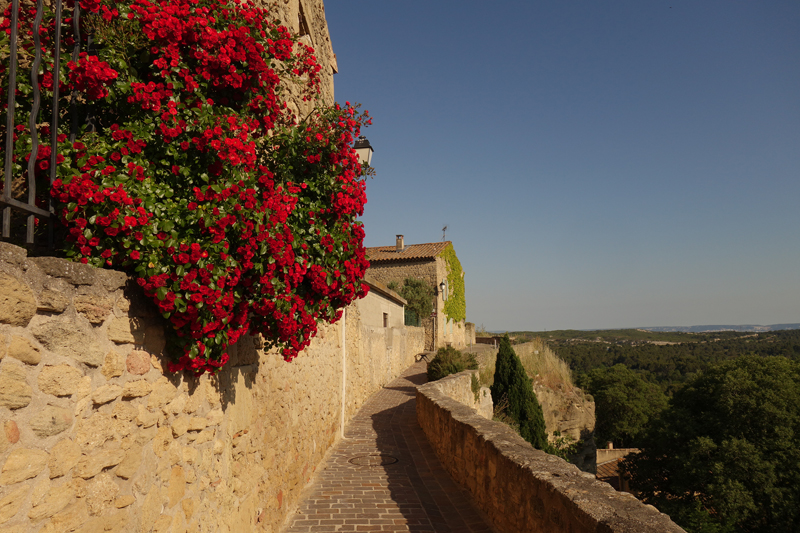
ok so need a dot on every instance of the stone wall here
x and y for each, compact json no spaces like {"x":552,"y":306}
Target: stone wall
{"x":97,"y":436}
{"x":307,"y":19}
{"x":523,"y":489}
{"x":458,"y":387}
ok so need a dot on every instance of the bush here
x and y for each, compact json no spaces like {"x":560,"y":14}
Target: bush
{"x":512,"y":385}
{"x":450,"y":361}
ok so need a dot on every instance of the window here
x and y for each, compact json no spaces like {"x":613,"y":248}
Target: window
{"x":386,"y":320}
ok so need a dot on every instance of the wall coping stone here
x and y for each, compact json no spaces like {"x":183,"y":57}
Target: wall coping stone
{"x":499,"y":468}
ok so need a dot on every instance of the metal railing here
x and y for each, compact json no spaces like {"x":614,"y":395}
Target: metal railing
{"x":7,"y":201}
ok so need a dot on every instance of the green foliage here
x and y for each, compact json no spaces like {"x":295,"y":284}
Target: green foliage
{"x":450,"y":361}
{"x":725,"y":454}
{"x":513,"y":384}
{"x":669,"y":365}
{"x":419,"y":295}
{"x":624,"y":403}
{"x":476,"y":387}
{"x":455,"y":307}
{"x":563,"y":446}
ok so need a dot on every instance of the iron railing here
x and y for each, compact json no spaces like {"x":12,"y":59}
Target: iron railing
{"x":7,"y":201}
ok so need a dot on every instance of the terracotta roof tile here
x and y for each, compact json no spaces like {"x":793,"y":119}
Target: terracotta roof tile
{"x":412,"y":252}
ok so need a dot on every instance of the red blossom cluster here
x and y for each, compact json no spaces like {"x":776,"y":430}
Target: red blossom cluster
{"x":233,"y":217}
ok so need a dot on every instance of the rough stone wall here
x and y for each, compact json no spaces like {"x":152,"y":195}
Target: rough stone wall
{"x":96,"y":436}
{"x":308,"y":15}
{"x":571,"y":413}
{"x":523,"y":489}
{"x":458,"y":387}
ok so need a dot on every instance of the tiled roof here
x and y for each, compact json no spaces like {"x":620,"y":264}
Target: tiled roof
{"x":609,"y":472}
{"x":412,"y":252}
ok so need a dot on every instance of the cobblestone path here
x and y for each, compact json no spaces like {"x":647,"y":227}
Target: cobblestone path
{"x":384,"y":475}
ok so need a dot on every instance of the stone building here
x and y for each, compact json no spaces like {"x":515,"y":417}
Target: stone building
{"x":432,"y":262}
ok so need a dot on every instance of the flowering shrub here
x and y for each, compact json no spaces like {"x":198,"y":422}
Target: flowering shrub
{"x":192,"y":174}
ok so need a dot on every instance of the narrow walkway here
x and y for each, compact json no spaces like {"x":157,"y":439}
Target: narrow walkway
{"x":384,"y":475}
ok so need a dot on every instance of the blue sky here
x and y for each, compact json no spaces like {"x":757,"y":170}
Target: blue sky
{"x":598,"y":164}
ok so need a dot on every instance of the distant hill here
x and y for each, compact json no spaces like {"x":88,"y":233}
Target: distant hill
{"x":707,"y":329}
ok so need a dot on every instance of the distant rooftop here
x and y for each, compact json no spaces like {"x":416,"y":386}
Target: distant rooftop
{"x":412,"y":252}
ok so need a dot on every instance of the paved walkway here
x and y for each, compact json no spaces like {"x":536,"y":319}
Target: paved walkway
{"x":363,"y":488}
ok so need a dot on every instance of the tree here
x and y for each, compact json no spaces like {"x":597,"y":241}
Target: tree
{"x":624,"y":403}
{"x":725,"y":455}
{"x":419,"y":295}
{"x":513,"y":384}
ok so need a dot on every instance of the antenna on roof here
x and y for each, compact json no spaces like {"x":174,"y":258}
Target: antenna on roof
{"x":444,"y":233}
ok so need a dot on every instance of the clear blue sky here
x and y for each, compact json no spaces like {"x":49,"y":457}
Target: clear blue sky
{"x":598,"y":164}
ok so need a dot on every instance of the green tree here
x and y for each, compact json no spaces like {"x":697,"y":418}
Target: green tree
{"x":624,"y":403}
{"x":512,"y":383}
{"x":419,"y":295}
{"x":725,"y":455}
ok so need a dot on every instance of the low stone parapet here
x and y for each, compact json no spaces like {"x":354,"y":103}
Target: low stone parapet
{"x":518,"y":487}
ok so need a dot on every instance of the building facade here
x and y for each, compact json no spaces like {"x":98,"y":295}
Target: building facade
{"x":436,"y":264}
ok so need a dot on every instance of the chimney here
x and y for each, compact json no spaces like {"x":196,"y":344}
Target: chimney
{"x":610,"y":445}
{"x":399,"y":244}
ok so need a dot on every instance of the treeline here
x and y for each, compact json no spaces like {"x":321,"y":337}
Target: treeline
{"x":670,"y":365}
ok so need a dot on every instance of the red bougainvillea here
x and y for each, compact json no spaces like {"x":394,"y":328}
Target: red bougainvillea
{"x":234,"y":215}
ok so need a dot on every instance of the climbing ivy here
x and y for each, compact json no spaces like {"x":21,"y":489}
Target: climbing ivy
{"x":455,"y":307}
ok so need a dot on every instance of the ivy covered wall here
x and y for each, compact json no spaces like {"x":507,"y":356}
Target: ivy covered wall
{"x":455,"y":307}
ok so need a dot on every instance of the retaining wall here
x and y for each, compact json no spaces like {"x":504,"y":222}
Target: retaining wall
{"x":96,"y":435}
{"x":518,"y":487}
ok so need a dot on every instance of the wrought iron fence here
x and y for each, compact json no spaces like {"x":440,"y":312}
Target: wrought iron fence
{"x":27,"y":181}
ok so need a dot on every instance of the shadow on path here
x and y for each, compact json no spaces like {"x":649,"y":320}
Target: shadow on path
{"x":384,"y":475}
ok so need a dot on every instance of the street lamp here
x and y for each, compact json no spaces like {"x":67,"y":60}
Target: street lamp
{"x":364,"y":150}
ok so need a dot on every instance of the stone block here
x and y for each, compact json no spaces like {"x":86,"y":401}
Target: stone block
{"x":60,"y":380}
{"x":124,"y":410}
{"x":63,"y":457}
{"x":197,"y":423}
{"x":138,"y":362}
{"x":22,"y":464}
{"x":51,"y":301}
{"x":180,"y":426}
{"x":113,"y":366}
{"x":69,"y":519}
{"x":91,"y":465}
{"x":106,"y":393}
{"x":101,"y":492}
{"x":54,"y":501}
{"x":124,"y":501}
{"x":75,"y":273}
{"x":50,"y":421}
{"x":24,"y":351}
{"x":92,"y":432}
{"x":95,"y":308}
{"x":15,"y":392}
{"x":12,"y":431}
{"x":70,"y":339}
{"x":130,"y":464}
{"x":17,"y":301}
{"x":120,"y":331}
{"x":146,"y":418}
{"x":163,"y":393}
{"x":177,"y":486}
{"x":11,"y":503}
